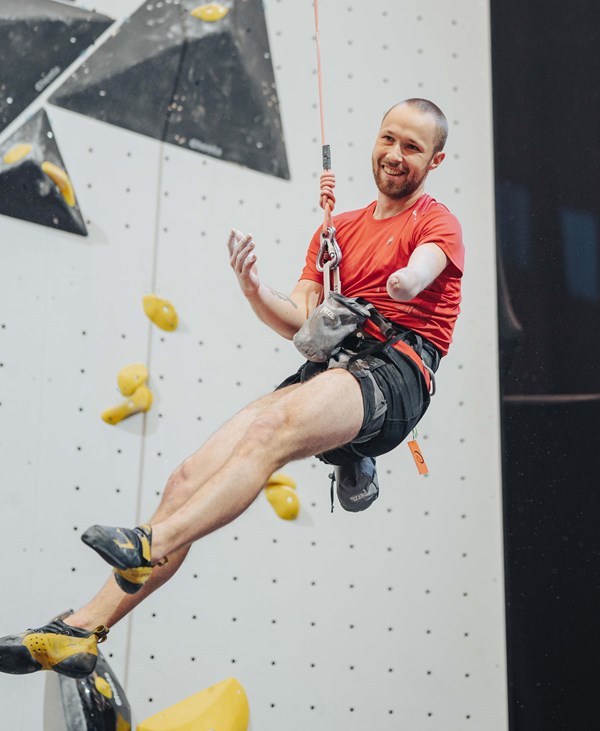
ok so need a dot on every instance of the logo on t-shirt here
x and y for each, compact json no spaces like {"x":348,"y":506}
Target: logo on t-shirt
{"x":389,"y":241}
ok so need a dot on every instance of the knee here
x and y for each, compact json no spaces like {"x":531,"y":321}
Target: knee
{"x":179,"y":487}
{"x":268,"y":429}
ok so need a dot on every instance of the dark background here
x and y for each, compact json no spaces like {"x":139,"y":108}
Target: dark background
{"x":546,"y":84}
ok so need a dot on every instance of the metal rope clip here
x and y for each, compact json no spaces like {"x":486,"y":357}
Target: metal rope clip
{"x":329,"y":246}
{"x":432,"y":386}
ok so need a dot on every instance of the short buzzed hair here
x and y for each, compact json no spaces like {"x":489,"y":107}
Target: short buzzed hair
{"x":427,"y":107}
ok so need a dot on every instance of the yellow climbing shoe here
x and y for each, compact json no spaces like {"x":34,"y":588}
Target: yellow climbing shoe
{"x":127,"y":550}
{"x":55,"y":646}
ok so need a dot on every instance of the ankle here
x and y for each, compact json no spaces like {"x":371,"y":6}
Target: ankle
{"x":78,"y":621}
{"x":159,"y":545}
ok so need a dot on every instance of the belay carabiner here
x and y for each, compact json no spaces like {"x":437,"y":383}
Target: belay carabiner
{"x":328,"y":260}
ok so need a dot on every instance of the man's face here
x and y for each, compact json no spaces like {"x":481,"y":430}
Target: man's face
{"x":403,"y":153}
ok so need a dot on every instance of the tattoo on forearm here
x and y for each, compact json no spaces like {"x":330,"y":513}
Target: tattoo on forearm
{"x":283,"y":297}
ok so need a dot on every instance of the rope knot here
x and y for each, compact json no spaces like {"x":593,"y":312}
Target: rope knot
{"x":327,"y":196}
{"x":327,"y":189}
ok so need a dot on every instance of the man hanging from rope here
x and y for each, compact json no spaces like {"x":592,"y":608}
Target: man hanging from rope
{"x":404,"y":255}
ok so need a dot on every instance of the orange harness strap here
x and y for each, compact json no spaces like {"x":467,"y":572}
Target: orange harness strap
{"x":412,"y":354}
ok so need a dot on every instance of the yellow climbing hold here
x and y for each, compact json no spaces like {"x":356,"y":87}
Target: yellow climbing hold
{"x":222,"y":707}
{"x":62,"y":180}
{"x":278,"y":478}
{"x":210,"y":12}
{"x":161,"y":312}
{"x":16,"y":153}
{"x":131,"y":378}
{"x":284,"y":500}
{"x":103,"y":687}
{"x":141,"y":400}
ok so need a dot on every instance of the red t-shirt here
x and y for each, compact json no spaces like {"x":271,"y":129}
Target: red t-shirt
{"x":372,"y":249}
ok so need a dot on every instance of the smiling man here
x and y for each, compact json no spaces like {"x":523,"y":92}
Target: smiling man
{"x":407,"y":148}
{"x":403,"y":254}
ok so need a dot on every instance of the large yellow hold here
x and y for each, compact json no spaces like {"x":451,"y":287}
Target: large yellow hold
{"x":222,"y":707}
{"x":280,"y":491}
{"x":161,"y":312}
{"x":210,"y":12}
{"x":284,"y":500}
{"x":62,"y":180}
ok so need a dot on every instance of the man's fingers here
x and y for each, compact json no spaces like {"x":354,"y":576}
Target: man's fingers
{"x":231,"y":241}
{"x":249,"y":262}
{"x":241,"y":252}
{"x":237,"y":241}
{"x":235,"y":237}
{"x":242,"y":256}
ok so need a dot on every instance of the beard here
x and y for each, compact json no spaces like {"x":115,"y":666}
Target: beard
{"x":396,"y":188}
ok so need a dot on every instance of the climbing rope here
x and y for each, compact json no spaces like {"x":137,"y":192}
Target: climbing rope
{"x":330,"y":254}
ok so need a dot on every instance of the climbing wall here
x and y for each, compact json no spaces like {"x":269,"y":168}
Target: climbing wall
{"x":40,"y":39}
{"x":391,"y":619}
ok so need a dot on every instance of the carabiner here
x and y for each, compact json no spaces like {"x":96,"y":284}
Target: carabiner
{"x":329,"y":246}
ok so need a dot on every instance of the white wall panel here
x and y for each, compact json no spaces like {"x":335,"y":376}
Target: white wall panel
{"x":391,"y":619}
{"x":72,"y":312}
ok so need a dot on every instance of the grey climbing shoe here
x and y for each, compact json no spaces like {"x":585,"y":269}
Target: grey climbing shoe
{"x":356,"y":484}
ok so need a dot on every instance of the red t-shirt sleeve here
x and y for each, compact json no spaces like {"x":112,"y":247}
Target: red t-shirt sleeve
{"x":442,"y":228}
{"x":310,"y":266}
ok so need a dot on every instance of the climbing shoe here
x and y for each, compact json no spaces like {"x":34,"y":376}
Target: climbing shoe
{"x":356,"y":484}
{"x":127,"y":550}
{"x":67,"y":650}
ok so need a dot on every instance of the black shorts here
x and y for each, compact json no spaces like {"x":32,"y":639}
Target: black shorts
{"x":394,"y":391}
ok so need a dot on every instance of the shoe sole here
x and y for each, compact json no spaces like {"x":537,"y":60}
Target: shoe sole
{"x":17,"y":660}
{"x":127,"y":586}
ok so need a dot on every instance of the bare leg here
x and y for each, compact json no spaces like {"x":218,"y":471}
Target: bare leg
{"x":319,"y":415}
{"x":110,"y":604}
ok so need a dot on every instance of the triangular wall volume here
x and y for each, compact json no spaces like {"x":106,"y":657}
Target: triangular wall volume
{"x":39,"y":39}
{"x":206,"y":86}
{"x":34,"y":182}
